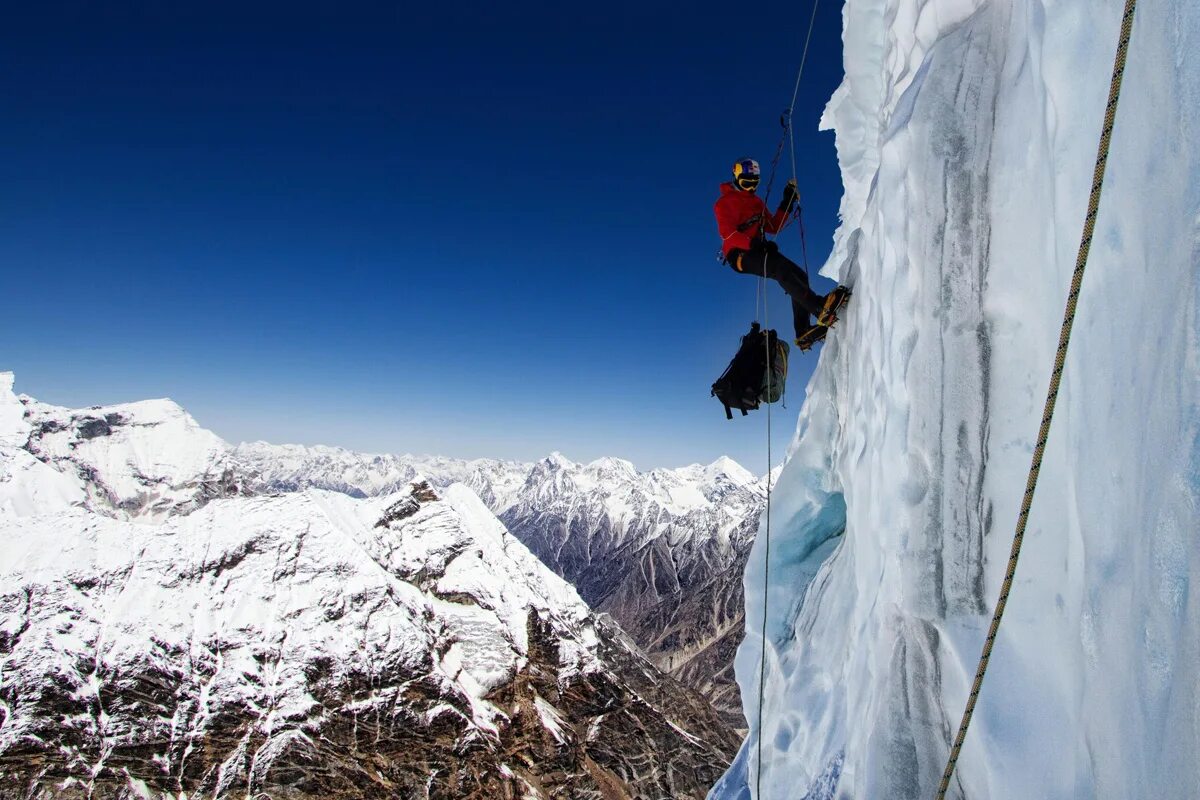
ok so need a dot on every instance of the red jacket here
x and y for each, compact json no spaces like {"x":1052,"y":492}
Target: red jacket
{"x":735,"y":207}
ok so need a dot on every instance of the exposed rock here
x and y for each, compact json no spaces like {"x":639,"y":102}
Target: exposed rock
{"x":407,"y":506}
{"x":91,"y":427}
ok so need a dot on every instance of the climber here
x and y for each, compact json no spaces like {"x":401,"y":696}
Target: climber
{"x":743,"y":221}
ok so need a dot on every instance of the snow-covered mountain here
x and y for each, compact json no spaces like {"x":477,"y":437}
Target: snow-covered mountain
{"x":167,"y":628}
{"x":287,"y":468}
{"x":144,"y":460}
{"x":967,"y":134}
{"x":661,"y":551}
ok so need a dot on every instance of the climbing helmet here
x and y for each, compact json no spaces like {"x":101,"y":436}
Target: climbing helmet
{"x":746,"y":174}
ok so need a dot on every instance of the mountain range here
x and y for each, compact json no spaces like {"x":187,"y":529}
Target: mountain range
{"x":662,"y":552}
{"x":174,"y":619}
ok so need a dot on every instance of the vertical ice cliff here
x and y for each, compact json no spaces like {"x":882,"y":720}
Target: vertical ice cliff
{"x":967,"y":134}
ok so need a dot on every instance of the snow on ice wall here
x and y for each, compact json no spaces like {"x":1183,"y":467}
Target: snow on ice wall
{"x":967,"y":133}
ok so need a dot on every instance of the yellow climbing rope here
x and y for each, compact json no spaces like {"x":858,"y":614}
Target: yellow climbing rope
{"x":1060,"y":358}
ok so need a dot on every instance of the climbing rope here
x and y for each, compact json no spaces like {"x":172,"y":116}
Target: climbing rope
{"x":791,"y":134}
{"x":786,"y":119}
{"x":803,"y":57}
{"x":1060,"y":358}
{"x":762,"y":664}
{"x":787,"y":123}
{"x":803,"y":243}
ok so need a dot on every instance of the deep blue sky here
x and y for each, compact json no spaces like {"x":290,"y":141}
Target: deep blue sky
{"x":470,"y":229}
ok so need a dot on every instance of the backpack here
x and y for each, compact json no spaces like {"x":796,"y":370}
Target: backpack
{"x":749,"y":380}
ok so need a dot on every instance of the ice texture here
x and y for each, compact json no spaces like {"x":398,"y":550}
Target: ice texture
{"x":966,"y":135}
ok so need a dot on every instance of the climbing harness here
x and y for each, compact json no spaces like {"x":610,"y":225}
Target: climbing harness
{"x":762,"y":663}
{"x":1114,"y":92}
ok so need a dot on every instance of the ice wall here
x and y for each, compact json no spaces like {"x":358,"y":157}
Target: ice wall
{"x":967,"y":133}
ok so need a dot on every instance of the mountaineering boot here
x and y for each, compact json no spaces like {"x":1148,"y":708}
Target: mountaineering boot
{"x":806,"y":340}
{"x":833,"y":303}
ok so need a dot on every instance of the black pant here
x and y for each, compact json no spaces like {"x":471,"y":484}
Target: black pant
{"x":805,"y":301}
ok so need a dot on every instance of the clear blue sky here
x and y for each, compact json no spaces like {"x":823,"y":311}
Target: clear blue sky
{"x":469,"y":229}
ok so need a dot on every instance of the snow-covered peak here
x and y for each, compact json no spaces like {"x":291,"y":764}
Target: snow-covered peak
{"x":726,"y":466}
{"x":701,"y":486}
{"x":143,"y":459}
{"x":453,"y":548}
{"x":716,"y":478}
{"x":14,"y":430}
{"x":660,"y":551}
{"x":524,"y":583}
{"x":610,"y":467}
{"x":28,"y":486}
{"x":557,"y":460}
{"x":296,"y":452}
{"x":290,"y":467}
{"x":500,"y":483}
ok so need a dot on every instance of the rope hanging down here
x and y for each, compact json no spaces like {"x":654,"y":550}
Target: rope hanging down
{"x":1060,"y":358}
{"x":791,"y":134}
{"x":786,"y":121}
{"x":762,"y":664}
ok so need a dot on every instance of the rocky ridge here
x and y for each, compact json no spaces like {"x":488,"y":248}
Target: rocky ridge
{"x":662,"y":551}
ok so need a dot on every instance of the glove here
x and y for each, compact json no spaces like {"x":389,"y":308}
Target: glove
{"x":750,"y":223}
{"x":790,"y":196}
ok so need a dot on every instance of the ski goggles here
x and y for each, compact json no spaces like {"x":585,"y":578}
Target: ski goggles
{"x":746,"y":181}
